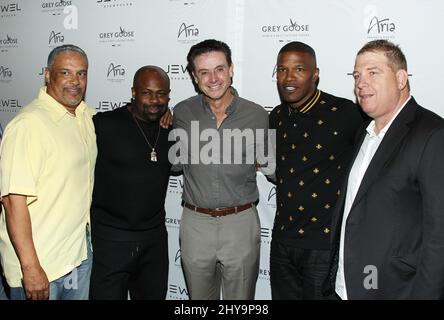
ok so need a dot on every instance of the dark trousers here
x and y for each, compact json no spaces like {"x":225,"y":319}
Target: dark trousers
{"x":297,"y":273}
{"x":137,"y":267}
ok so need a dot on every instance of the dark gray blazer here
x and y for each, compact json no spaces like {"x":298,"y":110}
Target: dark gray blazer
{"x":396,"y":222}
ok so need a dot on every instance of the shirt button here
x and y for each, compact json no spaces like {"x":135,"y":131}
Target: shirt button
{"x":295,"y":125}
{"x":212,"y":118}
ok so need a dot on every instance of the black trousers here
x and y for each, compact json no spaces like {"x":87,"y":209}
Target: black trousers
{"x":297,"y":273}
{"x":137,"y":267}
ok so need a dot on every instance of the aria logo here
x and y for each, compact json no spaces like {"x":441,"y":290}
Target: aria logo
{"x":9,"y":10}
{"x":5,"y":74}
{"x":9,"y":105}
{"x":290,"y":30}
{"x":271,"y":198}
{"x":56,"y":39}
{"x":177,"y":72}
{"x":177,"y":257}
{"x":115,"y":73}
{"x":272,"y":193}
{"x":114,"y":3}
{"x":106,"y":105}
{"x":378,"y":28}
{"x":187,"y":33}
{"x":273,"y":75}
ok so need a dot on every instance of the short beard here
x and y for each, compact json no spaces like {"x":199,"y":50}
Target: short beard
{"x":142,"y":113}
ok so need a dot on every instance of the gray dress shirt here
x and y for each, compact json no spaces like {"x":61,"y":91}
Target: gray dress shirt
{"x":211,"y":178}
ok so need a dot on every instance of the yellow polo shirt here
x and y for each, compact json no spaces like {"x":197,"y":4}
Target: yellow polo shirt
{"x":49,"y":155}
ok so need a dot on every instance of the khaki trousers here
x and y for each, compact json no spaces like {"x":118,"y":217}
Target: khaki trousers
{"x":220,"y":253}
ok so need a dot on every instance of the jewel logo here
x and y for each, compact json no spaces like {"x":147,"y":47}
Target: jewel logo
{"x":178,"y":290}
{"x":177,"y":72}
{"x":9,"y":105}
{"x":106,"y":105}
{"x":9,"y":10}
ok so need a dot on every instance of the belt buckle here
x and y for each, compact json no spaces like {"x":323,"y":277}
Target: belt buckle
{"x":216,"y":210}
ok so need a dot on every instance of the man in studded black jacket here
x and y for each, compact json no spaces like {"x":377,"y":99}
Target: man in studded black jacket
{"x":314,"y":138}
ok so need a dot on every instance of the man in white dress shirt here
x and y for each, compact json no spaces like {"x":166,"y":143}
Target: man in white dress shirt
{"x":387,"y":232}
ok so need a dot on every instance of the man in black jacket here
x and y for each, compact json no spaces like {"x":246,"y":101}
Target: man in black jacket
{"x":388,"y":239}
{"x":314,"y":139}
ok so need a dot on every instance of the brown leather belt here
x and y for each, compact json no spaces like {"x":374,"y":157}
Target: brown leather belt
{"x":219,"y":212}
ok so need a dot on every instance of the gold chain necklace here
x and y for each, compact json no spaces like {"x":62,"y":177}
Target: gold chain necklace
{"x":153,"y":154}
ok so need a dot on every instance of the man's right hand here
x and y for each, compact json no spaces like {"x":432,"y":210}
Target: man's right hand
{"x":35,"y":283}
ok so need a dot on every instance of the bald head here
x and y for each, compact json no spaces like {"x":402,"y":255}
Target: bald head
{"x":151,"y":71}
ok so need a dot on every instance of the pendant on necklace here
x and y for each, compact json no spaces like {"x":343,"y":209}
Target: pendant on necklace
{"x":153,"y":156}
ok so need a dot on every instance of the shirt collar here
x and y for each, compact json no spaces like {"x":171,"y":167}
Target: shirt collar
{"x":308,"y":105}
{"x":371,"y":127}
{"x":57,"y":110}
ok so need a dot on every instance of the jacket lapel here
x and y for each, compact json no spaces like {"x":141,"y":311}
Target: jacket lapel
{"x":387,"y":148}
{"x":339,"y":207}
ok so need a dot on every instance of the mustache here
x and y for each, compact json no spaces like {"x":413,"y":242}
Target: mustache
{"x":159,"y":106}
{"x":73,"y":87}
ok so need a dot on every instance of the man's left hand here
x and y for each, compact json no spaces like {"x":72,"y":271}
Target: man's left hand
{"x":167,"y":119}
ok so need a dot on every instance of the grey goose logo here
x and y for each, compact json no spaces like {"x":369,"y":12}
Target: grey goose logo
{"x":114,"y":3}
{"x":117,"y":37}
{"x":287,"y":30}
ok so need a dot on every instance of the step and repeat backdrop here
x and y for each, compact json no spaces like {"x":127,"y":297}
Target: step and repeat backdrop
{"x":120,"y":36}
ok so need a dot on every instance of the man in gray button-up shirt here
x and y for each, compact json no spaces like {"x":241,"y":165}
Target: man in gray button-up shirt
{"x":220,"y":228}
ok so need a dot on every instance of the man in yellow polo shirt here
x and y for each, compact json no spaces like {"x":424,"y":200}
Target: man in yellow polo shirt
{"x":47,"y":160}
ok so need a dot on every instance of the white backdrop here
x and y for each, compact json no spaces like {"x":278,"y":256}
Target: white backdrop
{"x":120,"y":36}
